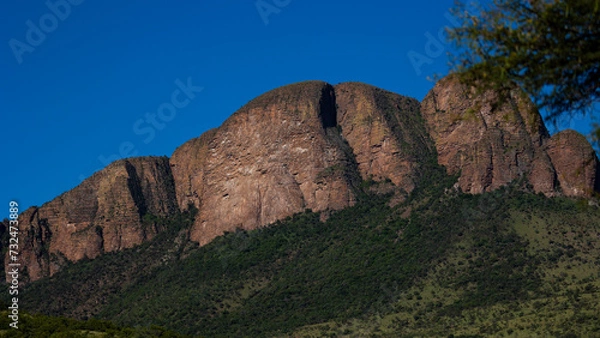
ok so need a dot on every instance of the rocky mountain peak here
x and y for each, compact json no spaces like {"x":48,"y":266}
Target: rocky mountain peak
{"x":492,"y":141}
{"x":308,"y":146}
{"x":102,"y":214}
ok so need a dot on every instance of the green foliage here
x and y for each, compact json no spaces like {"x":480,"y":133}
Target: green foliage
{"x":333,"y":170}
{"x":150,"y":219}
{"x":87,"y":285}
{"x":41,"y":326}
{"x":439,"y":263}
{"x":548,"y":47}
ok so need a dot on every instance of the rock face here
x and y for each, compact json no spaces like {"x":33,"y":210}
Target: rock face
{"x":283,"y":153}
{"x":187,"y":164}
{"x":308,"y":146}
{"x":575,"y":163}
{"x":386,"y":132}
{"x":492,"y":141}
{"x":276,"y":156}
{"x":103,"y":214}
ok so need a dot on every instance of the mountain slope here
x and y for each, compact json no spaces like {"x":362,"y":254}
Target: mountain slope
{"x":368,"y":268}
{"x":44,"y":326}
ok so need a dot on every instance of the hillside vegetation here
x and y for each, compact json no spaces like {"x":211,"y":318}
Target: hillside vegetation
{"x":40,"y":326}
{"x":441,"y":263}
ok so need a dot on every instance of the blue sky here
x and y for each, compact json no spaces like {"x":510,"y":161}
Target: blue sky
{"x":84,"y":81}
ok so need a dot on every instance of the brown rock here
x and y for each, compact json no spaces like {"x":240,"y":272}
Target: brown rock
{"x":103,"y":214}
{"x":575,"y":162}
{"x":543,"y":174}
{"x":282,"y":153}
{"x":276,"y":156}
{"x":385,"y":131}
{"x":491,"y":142}
{"x":187,"y":164}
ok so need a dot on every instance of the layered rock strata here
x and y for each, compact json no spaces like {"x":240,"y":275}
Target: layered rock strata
{"x":102,"y":214}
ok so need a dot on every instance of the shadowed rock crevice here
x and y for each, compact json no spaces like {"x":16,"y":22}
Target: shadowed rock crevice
{"x":597,"y":178}
{"x":327,"y":107}
{"x":135,"y":189}
{"x":187,"y":167}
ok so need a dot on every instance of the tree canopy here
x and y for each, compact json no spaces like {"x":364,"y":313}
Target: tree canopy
{"x":550,"y":48}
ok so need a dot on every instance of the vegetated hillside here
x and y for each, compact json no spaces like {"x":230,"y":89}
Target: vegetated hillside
{"x":439,"y":263}
{"x":41,"y":326}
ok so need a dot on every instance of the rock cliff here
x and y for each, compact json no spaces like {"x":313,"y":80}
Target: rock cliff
{"x":283,"y":153}
{"x":575,"y":163}
{"x":102,"y":214}
{"x":386,"y":132}
{"x":274,"y":157}
{"x":308,"y":146}
{"x":492,"y":141}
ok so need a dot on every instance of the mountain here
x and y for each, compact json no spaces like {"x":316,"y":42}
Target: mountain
{"x":308,"y":146}
{"x":274,"y":157}
{"x":340,"y":210}
{"x":280,"y":154}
